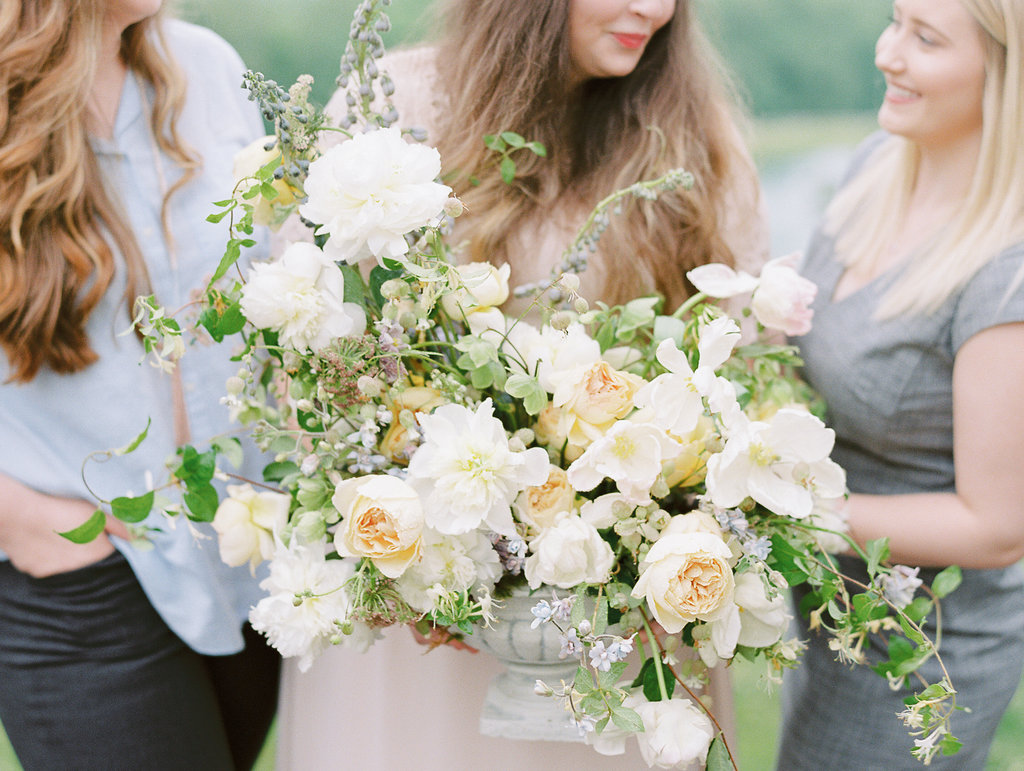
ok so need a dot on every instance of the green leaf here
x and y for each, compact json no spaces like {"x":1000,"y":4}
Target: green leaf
{"x":538,"y":149}
{"x":584,"y":681}
{"x":88,"y":530}
{"x":525,"y":388}
{"x":950,"y":745}
{"x":601,"y":618}
{"x":355,"y":289}
{"x":202,"y":501}
{"x":230,"y":448}
{"x":878,"y":552}
{"x":268,"y":191}
{"x":918,"y":609}
{"x":627,"y":719}
{"x":947,"y":581}
{"x":513,"y":139}
{"x":718,"y":756}
{"x":136,"y":441}
{"x":508,"y":170}
{"x":636,"y":314}
{"x":275,"y":472}
{"x":668,"y":328}
{"x":494,"y":142}
{"x":132,"y":509}
{"x":231,"y":254}
{"x":607,"y":680}
{"x":606,"y":335}
{"x":215,"y":218}
{"x":652,"y":688}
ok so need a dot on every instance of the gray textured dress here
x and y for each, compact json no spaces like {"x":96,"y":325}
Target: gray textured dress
{"x":889,"y":392}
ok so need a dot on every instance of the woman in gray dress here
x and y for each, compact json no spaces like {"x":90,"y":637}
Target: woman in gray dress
{"x":918,"y":349}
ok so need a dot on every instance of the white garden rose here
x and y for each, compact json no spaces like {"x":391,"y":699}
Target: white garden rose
{"x":686,"y":577}
{"x":301,"y":296}
{"x":382,"y":521}
{"x":246,"y":522}
{"x":540,"y":505}
{"x":676,"y":733}
{"x":368,"y":192}
{"x":568,"y":553}
{"x":483,"y":286}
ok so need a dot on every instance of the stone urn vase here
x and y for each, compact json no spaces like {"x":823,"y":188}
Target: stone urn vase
{"x":512,"y":709}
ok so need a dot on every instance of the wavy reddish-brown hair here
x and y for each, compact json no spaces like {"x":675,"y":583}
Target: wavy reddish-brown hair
{"x":59,"y":228}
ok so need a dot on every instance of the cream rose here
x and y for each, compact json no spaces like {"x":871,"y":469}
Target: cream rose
{"x":245,"y":523}
{"x":676,"y":733}
{"x":689,"y":467}
{"x":687,"y":578}
{"x":483,"y":286}
{"x":568,"y":553}
{"x":382,"y":520}
{"x":539,"y":506}
{"x":548,"y":429}
{"x":592,"y":400}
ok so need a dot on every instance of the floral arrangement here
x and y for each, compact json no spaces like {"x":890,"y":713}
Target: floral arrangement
{"x":658,"y":477}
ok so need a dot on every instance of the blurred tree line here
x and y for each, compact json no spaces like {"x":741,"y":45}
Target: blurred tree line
{"x":786,"y":55}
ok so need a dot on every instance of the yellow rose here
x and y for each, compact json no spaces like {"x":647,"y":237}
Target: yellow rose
{"x":540,"y":506}
{"x":415,"y":399}
{"x":382,"y":521}
{"x":687,"y":578}
{"x":591,"y":404}
{"x":483,"y":286}
{"x":247,"y":162}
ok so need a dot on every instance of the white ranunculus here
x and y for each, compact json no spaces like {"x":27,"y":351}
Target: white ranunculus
{"x":458,"y":563}
{"x":301,"y":296}
{"x":783,"y":297}
{"x":568,"y":553}
{"x":246,"y":522}
{"x":630,"y":453}
{"x":465,"y":472}
{"x":382,"y":521}
{"x":368,"y":192}
{"x":676,"y":733}
{"x":306,"y":602}
{"x":483,"y":286}
{"x":782,"y":464}
{"x":686,"y":577}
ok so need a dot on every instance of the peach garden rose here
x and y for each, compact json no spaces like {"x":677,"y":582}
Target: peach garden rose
{"x":592,"y":402}
{"x":382,"y":520}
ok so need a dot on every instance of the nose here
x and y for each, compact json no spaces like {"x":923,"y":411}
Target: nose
{"x":888,"y":54}
{"x":652,"y":9}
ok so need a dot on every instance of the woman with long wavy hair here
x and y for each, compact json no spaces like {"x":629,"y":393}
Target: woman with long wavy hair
{"x":124,"y":652}
{"x":617,"y":91}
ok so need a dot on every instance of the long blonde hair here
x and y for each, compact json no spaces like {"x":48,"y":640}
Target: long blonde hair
{"x":867,"y":212}
{"x":505,"y":69}
{"x":56,"y":261}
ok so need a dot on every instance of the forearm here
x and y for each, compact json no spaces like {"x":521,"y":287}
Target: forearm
{"x":938,"y":529}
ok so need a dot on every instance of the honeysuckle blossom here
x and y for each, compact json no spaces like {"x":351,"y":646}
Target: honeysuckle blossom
{"x":465,"y":472}
{"x":306,"y":603}
{"x":381,"y":520}
{"x":782,"y":464}
{"x":301,"y":296}
{"x":675,"y":398}
{"x":368,"y":192}
{"x":630,"y":453}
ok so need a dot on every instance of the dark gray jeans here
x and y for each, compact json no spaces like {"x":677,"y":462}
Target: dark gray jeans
{"x":92,"y":678}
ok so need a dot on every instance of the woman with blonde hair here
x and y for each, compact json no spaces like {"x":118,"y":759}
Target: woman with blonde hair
{"x":918,"y":349}
{"x":617,"y":91}
{"x":124,"y":652}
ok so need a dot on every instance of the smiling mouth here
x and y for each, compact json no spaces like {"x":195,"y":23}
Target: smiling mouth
{"x":899,"y":94}
{"x":632,"y":42}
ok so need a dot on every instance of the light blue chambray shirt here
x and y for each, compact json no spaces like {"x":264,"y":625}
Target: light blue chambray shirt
{"x":49,"y":426}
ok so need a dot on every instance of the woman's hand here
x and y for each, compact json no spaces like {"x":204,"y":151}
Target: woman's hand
{"x":29,"y":527}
